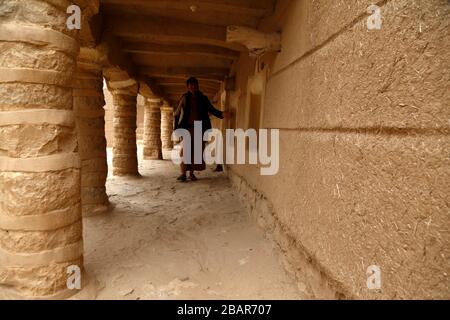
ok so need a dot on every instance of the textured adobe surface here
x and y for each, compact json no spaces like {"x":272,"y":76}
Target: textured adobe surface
{"x":364,"y":169}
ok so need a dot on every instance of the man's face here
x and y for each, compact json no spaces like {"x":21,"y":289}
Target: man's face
{"x":193,"y":87}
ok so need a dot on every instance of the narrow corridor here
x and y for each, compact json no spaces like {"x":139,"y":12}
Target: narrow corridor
{"x":168,"y":240}
{"x":353,"y":95}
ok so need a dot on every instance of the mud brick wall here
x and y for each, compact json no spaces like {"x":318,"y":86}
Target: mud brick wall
{"x":364,"y":143}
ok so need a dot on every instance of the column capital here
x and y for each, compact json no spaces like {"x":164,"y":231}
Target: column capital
{"x":91,"y":55}
{"x":166,"y":105}
{"x":127,"y":87}
{"x":154,"y":102}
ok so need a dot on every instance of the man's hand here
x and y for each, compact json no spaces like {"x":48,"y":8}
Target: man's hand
{"x":226,"y":115}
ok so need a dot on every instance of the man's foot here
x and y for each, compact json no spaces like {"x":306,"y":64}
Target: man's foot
{"x":219,"y":168}
{"x":193,"y":177}
{"x":182,"y":178}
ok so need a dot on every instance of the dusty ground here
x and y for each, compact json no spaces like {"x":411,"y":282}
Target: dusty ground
{"x":169,"y":240}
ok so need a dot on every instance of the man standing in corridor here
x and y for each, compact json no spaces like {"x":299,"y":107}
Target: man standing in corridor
{"x":194,"y":106}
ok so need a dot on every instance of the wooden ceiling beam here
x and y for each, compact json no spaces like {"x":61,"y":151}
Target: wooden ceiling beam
{"x":169,"y":91}
{"x":202,"y":73}
{"x":169,"y":31}
{"x":187,"y":50}
{"x":257,"y":8}
{"x":182,"y":85}
{"x":274,"y":22}
{"x":177,"y":97}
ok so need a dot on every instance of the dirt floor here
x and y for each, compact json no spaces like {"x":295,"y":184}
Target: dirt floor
{"x":167,"y":240}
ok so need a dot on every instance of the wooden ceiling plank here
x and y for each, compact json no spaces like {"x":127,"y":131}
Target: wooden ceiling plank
{"x":169,"y":31}
{"x":167,"y":49}
{"x":185,"y":72}
{"x":259,"y":8}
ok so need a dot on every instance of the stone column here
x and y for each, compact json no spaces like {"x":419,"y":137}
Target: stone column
{"x":40,"y":203}
{"x":152,"y":130}
{"x":90,"y":116}
{"x":125,"y":162}
{"x":166,"y":126}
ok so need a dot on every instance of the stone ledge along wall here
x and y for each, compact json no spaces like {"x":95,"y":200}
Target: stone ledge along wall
{"x":364,"y":147}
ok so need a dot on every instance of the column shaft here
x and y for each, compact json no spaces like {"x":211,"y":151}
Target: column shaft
{"x":166,"y":127}
{"x":125,"y":160}
{"x":90,"y":116}
{"x":152,"y":130}
{"x":40,"y":204}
